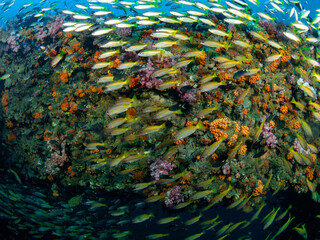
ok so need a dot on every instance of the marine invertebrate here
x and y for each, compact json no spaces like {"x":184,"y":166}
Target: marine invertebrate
{"x":145,"y":76}
{"x":160,"y":167}
{"x":216,"y":125}
{"x":266,"y":132}
{"x":186,"y":96}
{"x":174,"y":196}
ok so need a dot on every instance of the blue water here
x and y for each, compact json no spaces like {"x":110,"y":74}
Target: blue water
{"x":311,"y":5}
{"x":304,"y":205}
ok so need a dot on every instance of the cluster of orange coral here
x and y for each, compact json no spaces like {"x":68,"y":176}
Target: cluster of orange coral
{"x":147,"y":33}
{"x":222,"y":123}
{"x":201,"y":59}
{"x":65,"y":105}
{"x":273,"y":65}
{"x":134,"y":81}
{"x":214,"y":156}
{"x":242,"y":79}
{"x":92,"y":89}
{"x":286,"y":56}
{"x":131,"y":112}
{"x":233,"y":140}
{"x":267,"y":87}
{"x":80,"y":92}
{"x":96,"y":57}
{"x":254,"y":78}
{"x":9,"y":124}
{"x":52,"y":53}
{"x":272,"y":124}
{"x":4,"y":100}
{"x":12,"y":137}
{"x":64,"y":77}
{"x":189,"y":123}
{"x":284,"y":109}
{"x":245,"y":130}
{"x":242,"y":150}
{"x":37,"y":115}
{"x":73,"y":108}
{"x":222,"y":27}
{"x":258,"y":190}
{"x":237,"y":128}
{"x":309,"y":173}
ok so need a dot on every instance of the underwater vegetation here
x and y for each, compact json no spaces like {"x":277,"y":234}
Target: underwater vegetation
{"x":203,"y":104}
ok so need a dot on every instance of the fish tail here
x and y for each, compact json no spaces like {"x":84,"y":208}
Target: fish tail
{"x":200,"y":126}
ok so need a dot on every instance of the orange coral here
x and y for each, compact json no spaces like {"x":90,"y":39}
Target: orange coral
{"x":12,"y":137}
{"x":96,"y":57}
{"x":222,"y":123}
{"x":233,"y":140}
{"x":134,"y":81}
{"x":258,"y":190}
{"x":242,"y":150}
{"x":272,"y":124}
{"x":284,"y":109}
{"x":69,"y":35}
{"x":201,"y":59}
{"x":65,"y":106}
{"x":100,"y":90}
{"x":64,"y":77}
{"x":296,"y":125}
{"x":189,"y":123}
{"x":92,"y":89}
{"x":147,"y":33}
{"x":245,"y":130}
{"x":52,"y":53}
{"x":9,"y":124}
{"x":309,"y":173}
{"x":80,"y":92}
{"x":74,"y":108}
{"x":265,"y":105}
{"x":36,"y":115}
{"x":4,"y":100}
{"x":267,"y":87}
{"x":237,"y":127}
{"x":131,"y":112}
{"x":214,"y":156}
{"x":254,"y":78}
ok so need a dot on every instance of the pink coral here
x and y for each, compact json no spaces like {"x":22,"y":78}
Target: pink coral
{"x":160,"y":167}
{"x":187,"y":96}
{"x":55,"y":25}
{"x":297,"y":147}
{"x":58,"y":155}
{"x":174,"y":197}
{"x":13,"y":42}
{"x":266,"y":132}
{"x":145,"y":76}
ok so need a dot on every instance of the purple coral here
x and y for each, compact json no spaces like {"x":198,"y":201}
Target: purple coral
{"x":55,"y":25}
{"x":160,"y":167}
{"x":13,"y":42}
{"x":174,"y":197}
{"x":291,"y":79}
{"x":165,"y":62}
{"x":189,"y":96}
{"x":42,"y":33}
{"x":272,"y":28}
{"x":297,"y":147}
{"x":145,"y":76}
{"x":123,"y":32}
{"x":226,"y":168}
{"x":266,"y":132}
{"x":58,"y":155}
